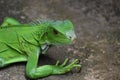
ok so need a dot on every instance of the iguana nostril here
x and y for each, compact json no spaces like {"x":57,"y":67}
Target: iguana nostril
{"x":70,"y":37}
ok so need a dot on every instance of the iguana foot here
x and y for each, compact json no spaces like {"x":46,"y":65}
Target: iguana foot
{"x":63,"y":68}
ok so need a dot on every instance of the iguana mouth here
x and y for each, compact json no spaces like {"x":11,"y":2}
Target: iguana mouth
{"x":71,"y":35}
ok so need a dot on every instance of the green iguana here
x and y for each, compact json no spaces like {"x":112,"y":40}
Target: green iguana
{"x":26,"y":42}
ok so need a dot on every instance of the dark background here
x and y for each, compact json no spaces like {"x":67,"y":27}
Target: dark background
{"x":97,"y":26}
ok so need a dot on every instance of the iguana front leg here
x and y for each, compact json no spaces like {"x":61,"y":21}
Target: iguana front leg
{"x":33,"y":71}
{"x":9,"y":21}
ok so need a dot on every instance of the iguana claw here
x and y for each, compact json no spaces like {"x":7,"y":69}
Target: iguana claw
{"x":60,"y":69}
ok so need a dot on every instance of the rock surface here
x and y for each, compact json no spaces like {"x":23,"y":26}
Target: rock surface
{"x":97,"y":25}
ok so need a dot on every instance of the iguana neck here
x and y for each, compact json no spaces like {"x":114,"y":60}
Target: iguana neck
{"x":42,"y":35}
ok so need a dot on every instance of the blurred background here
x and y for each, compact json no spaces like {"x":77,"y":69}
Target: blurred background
{"x":97,"y":26}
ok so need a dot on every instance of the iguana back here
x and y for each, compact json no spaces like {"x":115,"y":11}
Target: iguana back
{"x":11,"y":38}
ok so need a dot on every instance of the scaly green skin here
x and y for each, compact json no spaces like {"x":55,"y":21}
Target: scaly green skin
{"x":23,"y":42}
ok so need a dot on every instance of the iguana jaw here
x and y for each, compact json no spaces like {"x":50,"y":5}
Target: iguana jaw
{"x":71,"y":35}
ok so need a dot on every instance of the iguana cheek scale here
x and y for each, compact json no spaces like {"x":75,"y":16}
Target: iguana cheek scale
{"x":26,"y":42}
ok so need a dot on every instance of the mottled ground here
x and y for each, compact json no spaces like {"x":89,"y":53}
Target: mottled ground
{"x":97,"y":25}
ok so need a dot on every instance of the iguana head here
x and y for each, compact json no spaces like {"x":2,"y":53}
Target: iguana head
{"x":60,"y":32}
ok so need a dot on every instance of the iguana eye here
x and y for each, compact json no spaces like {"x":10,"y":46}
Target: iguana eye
{"x":55,"y":31}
